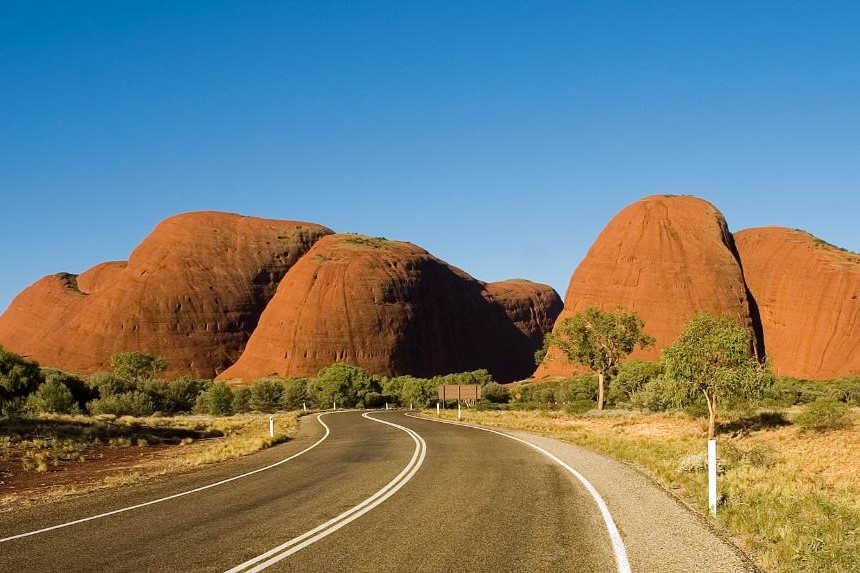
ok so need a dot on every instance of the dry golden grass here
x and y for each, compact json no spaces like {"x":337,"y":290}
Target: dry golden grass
{"x":239,"y":435}
{"x":791,"y":498}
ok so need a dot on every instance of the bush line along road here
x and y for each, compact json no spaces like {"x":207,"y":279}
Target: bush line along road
{"x":439,"y":497}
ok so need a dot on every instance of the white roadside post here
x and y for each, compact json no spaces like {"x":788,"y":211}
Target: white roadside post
{"x":410,"y":406}
{"x":459,"y":411}
{"x":437,"y":408}
{"x":712,"y":476}
{"x":304,"y":407}
{"x":334,"y":405}
{"x":271,"y":426}
{"x":386,"y":405}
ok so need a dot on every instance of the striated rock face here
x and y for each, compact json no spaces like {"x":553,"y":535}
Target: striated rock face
{"x":392,"y":308}
{"x":191,"y":292}
{"x":667,"y":258}
{"x":808,"y":294}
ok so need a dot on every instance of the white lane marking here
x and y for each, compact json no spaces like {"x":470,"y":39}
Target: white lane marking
{"x":174,"y":496}
{"x":614,"y":536}
{"x":298,"y":543}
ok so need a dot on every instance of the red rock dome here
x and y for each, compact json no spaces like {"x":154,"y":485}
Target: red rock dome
{"x":665,"y":257}
{"x":808,"y":294}
{"x":191,"y":292}
{"x":392,"y":308}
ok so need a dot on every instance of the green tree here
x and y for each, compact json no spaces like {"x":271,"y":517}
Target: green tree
{"x":138,"y":367}
{"x":295,"y":393}
{"x":241,"y":399}
{"x":496,"y":393}
{"x":344,"y":384}
{"x":632,"y":378}
{"x":417,"y":391}
{"x":713,"y":358}
{"x":216,"y":399}
{"x":18,"y":378}
{"x":265,"y":395}
{"x":599,"y":340}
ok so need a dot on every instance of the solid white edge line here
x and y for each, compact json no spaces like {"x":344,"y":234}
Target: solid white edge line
{"x":176,"y":495}
{"x":298,"y":543}
{"x":618,"y":548}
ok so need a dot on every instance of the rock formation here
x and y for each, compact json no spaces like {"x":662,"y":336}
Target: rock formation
{"x":808,"y":294}
{"x":392,"y":308}
{"x":665,"y":257}
{"x":191,"y":292}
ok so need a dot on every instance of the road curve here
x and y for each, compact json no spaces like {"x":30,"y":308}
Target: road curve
{"x":407,"y":495}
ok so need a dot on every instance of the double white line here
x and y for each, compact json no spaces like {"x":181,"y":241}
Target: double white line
{"x":296,"y":544}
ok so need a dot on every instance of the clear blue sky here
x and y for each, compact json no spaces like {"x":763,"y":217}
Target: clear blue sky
{"x":501,"y":136}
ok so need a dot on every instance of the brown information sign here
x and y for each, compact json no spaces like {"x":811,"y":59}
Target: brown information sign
{"x":459,"y":392}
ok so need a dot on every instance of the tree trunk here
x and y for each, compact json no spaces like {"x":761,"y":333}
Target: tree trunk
{"x":600,"y":379}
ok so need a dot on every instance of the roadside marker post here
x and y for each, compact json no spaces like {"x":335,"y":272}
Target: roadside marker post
{"x":386,"y":405}
{"x":437,"y":408}
{"x":334,"y":405}
{"x":304,"y":407}
{"x":410,"y":406}
{"x":459,"y":411}
{"x":271,"y":426}
{"x":712,"y":476}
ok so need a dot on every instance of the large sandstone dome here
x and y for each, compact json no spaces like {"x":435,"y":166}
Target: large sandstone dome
{"x":808,"y":294}
{"x":667,"y":258}
{"x":191,"y":292}
{"x":392,"y":308}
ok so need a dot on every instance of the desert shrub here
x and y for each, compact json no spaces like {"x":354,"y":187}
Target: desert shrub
{"x":294,"y":392}
{"x":241,"y":399}
{"x":19,"y":377}
{"x":632,"y":377}
{"x":137,"y":367}
{"x":545,"y":395}
{"x":107,"y":384}
{"x":265,"y":395}
{"x":495,"y":393}
{"x":181,"y":395}
{"x":653,"y":395}
{"x":373,"y":400}
{"x":846,"y":390}
{"x":824,"y":415}
{"x":133,"y":403}
{"x":417,"y":391}
{"x":792,"y":392}
{"x":580,"y":406}
{"x":698,"y":463}
{"x":581,"y":388}
{"x":345,"y":384}
{"x":216,"y":399}
{"x":52,"y":397}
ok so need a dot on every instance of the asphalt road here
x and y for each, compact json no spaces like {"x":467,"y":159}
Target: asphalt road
{"x":436,"y":498}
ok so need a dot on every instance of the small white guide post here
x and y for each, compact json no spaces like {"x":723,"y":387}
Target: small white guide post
{"x":459,"y":411}
{"x":386,"y":405}
{"x":410,"y":406}
{"x":271,"y":426}
{"x":334,"y":405}
{"x":304,"y":407}
{"x":437,"y":408}
{"x":712,"y":476}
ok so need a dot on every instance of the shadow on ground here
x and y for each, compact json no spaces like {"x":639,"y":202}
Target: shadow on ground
{"x":96,"y":431}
